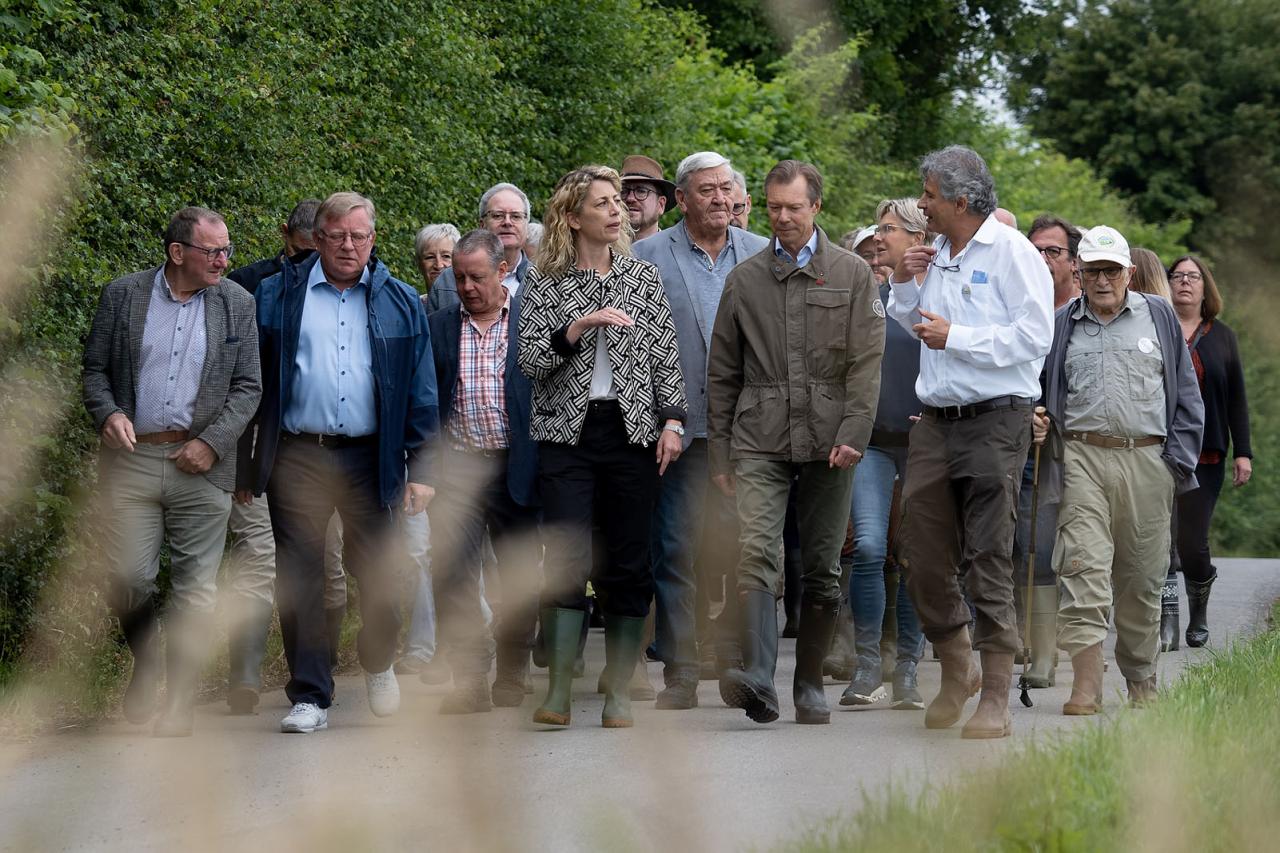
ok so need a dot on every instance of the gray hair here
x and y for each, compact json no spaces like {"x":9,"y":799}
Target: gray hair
{"x":431,"y":233}
{"x":533,"y":233}
{"x":340,"y":204}
{"x":497,"y":188}
{"x":302,"y":219}
{"x":961,"y":172}
{"x":696,"y":163}
{"x":182,"y":225}
{"x":908,"y":213}
{"x":481,"y":240}
{"x":740,"y":180}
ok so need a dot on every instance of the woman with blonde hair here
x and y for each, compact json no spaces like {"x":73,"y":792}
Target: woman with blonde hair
{"x":1149,"y":275}
{"x":598,"y":344}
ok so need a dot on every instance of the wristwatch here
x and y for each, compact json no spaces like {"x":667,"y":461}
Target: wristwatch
{"x":678,"y":429}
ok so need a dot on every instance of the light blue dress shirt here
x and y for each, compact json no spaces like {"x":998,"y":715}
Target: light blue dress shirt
{"x":333,"y":385}
{"x":172,"y":359}
{"x":806,"y":251}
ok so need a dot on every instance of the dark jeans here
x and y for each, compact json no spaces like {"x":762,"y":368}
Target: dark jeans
{"x":1194,"y":516}
{"x":959,"y":504}
{"x":627,"y":475}
{"x":307,"y":484}
{"x":472,"y":498}
{"x":683,"y":493}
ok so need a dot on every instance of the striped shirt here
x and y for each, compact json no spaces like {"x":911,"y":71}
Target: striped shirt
{"x":479,"y":419}
{"x":173,"y":349}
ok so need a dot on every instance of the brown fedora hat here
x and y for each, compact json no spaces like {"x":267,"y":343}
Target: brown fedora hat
{"x":638,"y":167}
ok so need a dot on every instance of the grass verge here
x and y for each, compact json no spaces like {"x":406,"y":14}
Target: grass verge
{"x":1197,"y":771}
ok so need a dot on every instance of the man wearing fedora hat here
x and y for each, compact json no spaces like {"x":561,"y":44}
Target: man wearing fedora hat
{"x":646,"y":193}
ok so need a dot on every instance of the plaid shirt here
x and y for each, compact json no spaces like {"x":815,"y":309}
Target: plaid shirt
{"x":479,"y":419}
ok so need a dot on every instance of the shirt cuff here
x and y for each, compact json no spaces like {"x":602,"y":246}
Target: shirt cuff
{"x":959,"y":339}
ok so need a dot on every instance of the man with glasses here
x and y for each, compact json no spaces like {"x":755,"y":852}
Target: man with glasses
{"x":646,"y":193}
{"x":504,"y":210}
{"x":349,"y":403}
{"x":694,"y":257}
{"x":171,"y":380}
{"x":741,"y":209}
{"x":1056,"y":240}
{"x":1127,"y":418}
{"x":983,"y":314}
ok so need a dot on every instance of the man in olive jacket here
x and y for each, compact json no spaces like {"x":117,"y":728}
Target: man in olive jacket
{"x":793,"y":378}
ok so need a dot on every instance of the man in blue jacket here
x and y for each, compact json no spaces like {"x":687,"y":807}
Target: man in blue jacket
{"x":485,"y":471}
{"x":349,"y":400}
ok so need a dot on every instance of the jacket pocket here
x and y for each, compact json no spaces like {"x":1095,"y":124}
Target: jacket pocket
{"x":760,"y":420}
{"x":827,"y":317}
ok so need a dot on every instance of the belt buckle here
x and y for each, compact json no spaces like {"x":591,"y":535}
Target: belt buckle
{"x":1129,"y":442}
{"x":952,"y":413}
{"x":327,"y":441}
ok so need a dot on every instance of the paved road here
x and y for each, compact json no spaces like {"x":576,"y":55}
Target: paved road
{"x":697,"y":780}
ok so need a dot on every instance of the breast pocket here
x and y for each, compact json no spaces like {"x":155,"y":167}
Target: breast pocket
{"x":1146,"y":373}
{"x":827,"y":317}
{"x":1084,"y":377}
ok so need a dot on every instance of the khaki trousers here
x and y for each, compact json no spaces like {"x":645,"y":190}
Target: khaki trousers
{"x":1112,"y":550}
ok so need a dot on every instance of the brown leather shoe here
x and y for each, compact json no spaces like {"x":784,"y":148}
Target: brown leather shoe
{"x":992,"y":719}
{"x":1086,"y":686}
{"x":1141,"y":693}
{"x":960,"y":680}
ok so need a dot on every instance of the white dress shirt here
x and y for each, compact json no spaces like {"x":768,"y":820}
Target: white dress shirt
{"x":998,"y":296}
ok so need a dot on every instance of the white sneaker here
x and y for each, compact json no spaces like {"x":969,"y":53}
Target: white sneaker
{"x":305,"y":717}
{"x":384,"y":692}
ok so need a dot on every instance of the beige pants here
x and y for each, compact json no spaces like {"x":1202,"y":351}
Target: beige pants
{"x":1112,"y":551}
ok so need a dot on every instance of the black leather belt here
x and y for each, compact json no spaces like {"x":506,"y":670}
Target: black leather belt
{"x":602,"y":407}
{"x":957,"y":413}
{"x":330,"y":440}
{"x":1113,"y":442}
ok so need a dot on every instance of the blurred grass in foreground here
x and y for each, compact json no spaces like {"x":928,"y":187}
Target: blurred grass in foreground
{"x":1198,"y":771}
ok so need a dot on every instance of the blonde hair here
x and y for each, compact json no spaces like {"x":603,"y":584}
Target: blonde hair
{"x":340,"y":204}
{"x":557,"y":251}
{"x":909,"y":214}
{"x":1148,"y":273}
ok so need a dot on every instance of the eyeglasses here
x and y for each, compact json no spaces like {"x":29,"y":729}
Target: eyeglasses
{"x":221,"y":251}
{"x":337,"y":238}
{"x":738,"y":209}
{"x":1111,"y":274}
{"x":1192,"y":277}
{"x":640,"y":191}
{"x":1051,"y":252}
{"x":947,"y":267}
{"x":496,"y":216}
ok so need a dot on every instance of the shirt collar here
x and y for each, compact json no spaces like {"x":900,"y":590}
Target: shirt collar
{"x":317,"y":275}
{"x":1082,"y":307}
{"x":506,"y":309}
{"x":162,"y":286}
{"x":806,"y":251}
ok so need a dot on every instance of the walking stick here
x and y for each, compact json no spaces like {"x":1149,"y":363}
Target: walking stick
{"x":1031,"y":571}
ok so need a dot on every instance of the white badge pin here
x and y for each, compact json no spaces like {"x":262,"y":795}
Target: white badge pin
{"x":1146,"y":345}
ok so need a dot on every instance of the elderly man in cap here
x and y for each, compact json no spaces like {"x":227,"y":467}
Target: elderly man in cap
{"x":504,"y":210}
{"x":646,"y":193}
{"x":862,"y":243}
{"x":1126,"y":418}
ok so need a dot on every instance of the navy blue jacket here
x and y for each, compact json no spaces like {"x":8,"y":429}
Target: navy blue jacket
{"x":522,"y":460}
{"x":405,"y":376}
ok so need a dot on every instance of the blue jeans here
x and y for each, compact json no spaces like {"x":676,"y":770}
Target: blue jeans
{"x":872,"y":501}
{"x":674,"y":536}
{"x":421,"y":642}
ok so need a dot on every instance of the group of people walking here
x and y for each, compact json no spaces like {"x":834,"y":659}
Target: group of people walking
{"x":607,"y":416}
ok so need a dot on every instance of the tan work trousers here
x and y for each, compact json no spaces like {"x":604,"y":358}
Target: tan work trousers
{"x":1112,"y":551}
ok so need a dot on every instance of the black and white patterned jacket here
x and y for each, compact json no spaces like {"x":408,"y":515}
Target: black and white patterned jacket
{"x":644,"y":357}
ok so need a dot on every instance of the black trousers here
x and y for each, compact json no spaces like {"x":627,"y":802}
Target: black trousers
{"x":627,"y":479}
{"x":307,"y":484}
{"x":1194,"y":516}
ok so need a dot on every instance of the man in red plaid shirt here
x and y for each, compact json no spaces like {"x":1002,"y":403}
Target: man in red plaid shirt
{"x":485,"y":479}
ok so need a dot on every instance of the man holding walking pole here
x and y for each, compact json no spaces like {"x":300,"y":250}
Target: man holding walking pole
{"x":1126,"y":419}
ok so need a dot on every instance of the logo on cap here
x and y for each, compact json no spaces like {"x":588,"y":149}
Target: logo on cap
{"x":1105,"y":240}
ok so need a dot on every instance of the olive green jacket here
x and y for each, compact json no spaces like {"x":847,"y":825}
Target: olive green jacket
{"x":794,"y":367}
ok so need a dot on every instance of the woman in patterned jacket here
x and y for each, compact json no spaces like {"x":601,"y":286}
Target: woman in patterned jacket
{"x":599,"y":347}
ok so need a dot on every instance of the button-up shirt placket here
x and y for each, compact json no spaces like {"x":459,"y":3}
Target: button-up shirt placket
{"x":479,"y":401}
{"x":174,"y":345}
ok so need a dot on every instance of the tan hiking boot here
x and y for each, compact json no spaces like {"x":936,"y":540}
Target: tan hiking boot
{"x":960,"y":680}
{"x":1141,"y":693}
{"x":992,"y":719}
{"x":1086,"y":687}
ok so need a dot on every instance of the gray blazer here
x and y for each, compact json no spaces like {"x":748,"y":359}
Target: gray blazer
{"x":444,"y":293}
{"x":1184,"y":408}
{"x":669,"y":251}
{"x":230,"y":383}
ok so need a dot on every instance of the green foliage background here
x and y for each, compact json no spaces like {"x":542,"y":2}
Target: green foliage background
{"x":248,"y":106}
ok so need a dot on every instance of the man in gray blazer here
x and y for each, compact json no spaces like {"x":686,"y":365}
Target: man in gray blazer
{"x":171,"y":380}
{"x":693,"y":257}
{"x":504,"y":210}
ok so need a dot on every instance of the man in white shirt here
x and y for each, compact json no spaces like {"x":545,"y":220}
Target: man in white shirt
{"x":984,"y":316}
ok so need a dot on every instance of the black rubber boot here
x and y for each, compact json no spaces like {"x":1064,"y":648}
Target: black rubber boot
{"x":1198,"y":607}
{"x":139,"y":628}
{"x":751,"y":688}
{"x":560,"y":628}
{"x":1169,"y":641}
{"x":333,"y":621}
{"x":187,"y":638}
{"x":247,"y":646}
{"x":817,"y":625}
